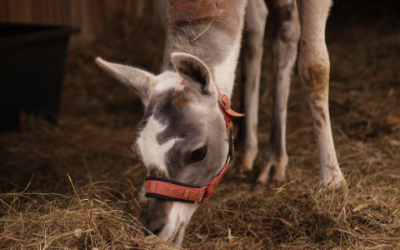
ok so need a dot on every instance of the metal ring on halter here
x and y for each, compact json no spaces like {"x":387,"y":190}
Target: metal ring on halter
{"x":225,"y":106}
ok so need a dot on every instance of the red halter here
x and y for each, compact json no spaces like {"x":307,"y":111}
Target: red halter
{"x":165,"y":189}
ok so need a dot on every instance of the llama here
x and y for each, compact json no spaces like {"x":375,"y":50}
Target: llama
{"x":184,"y":137}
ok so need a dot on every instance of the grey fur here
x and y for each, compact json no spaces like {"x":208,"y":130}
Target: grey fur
{"x":208,"y":35}
{"x":184,"y":124}
{"x":284,"y":52}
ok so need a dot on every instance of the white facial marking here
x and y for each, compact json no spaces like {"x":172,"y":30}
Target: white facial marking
{"x":180,"y":215}
{"x":152,"y":151}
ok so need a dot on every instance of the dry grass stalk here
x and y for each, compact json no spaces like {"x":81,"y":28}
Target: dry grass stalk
{"x":82,"y":220}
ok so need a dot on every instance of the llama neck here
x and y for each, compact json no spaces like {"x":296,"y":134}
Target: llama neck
{"x":213,"y":34}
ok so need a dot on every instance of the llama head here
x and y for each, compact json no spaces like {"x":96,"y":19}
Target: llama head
{"x":181,"y":137}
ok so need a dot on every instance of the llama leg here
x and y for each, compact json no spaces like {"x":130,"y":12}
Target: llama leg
{"x":247,"y":141}
{"x":314,"y":67}
{"x":284,"y":52}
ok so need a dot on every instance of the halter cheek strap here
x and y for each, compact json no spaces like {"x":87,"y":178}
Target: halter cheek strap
{"x":164,"y":189}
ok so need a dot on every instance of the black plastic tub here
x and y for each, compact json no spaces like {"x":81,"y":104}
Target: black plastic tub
{"x":32,"y":59}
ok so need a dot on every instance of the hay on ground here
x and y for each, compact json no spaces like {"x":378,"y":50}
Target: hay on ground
{"x":95,"y":130}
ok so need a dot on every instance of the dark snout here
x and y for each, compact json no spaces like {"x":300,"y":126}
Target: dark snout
{"x":156,"y":215}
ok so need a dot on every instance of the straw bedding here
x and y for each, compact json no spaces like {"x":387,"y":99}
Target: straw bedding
{"x":81,"y":195}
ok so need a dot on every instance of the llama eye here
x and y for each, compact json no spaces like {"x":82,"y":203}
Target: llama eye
{"x":199,"y":154}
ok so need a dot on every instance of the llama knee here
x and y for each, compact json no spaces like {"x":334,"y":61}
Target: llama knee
{"x":315,"y":76}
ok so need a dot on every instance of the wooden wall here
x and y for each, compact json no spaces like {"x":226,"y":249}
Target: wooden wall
{"x":94,"y":17}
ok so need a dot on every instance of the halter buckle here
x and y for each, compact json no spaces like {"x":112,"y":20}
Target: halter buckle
{"x":225,"y":105}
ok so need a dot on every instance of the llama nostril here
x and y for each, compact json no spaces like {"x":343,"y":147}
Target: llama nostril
{"x":156,"y":232}
{"x":155,"y":217}
{"x":156,"y":228}
{"x":153,"y":226}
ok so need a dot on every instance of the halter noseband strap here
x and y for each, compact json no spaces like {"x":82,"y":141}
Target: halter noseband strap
{"x":165,"y":189}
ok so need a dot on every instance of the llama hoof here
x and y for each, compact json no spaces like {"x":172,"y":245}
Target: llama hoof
{"x":258,"y":186}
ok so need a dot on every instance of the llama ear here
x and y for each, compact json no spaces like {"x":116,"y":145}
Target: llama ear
{"x":140,"y":81}
{"x":193,"y":70}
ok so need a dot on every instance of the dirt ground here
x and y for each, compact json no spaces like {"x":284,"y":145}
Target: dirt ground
{"x":91,"y":144}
